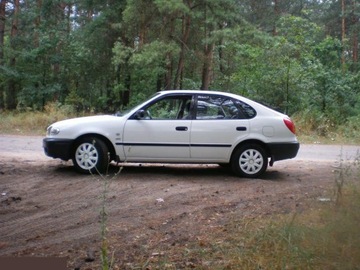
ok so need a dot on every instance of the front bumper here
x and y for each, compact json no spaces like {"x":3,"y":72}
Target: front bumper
{"x":58,"y":148}
{"x":280,"y":151}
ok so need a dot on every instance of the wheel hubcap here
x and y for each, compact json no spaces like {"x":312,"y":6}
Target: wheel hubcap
{"x":86,"y":156}
{"x":251,"y":161}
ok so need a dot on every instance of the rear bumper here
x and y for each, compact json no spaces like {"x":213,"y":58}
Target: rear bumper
{"x":58,"y":148}
{"x":280,"y":151}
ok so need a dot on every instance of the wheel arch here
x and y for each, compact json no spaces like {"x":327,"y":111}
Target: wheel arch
{"x":251,"y":141}
{"x":108,"y":143}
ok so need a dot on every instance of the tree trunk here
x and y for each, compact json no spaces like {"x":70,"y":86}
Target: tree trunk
{"x":168,"y":58}
{"x":355,"y":47}
{"x":2,"y":35}
{"x":181,"y":63}
{"x":207,"y":67}
{"x":277,"y":15}
{"x":343,"y":33}
{"x":168,"y":75}
{"x":208,"y":57}
{"x":37,"y":23}
{"x":56,"y":66}
{"x":355,"y":33}
{"x":68,"y":18}
{"x":10,"y":100}
{"x":2,"y":29}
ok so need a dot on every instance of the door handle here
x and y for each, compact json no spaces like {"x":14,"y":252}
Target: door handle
{"x":181,"y":128}
{"x":241,"y":128}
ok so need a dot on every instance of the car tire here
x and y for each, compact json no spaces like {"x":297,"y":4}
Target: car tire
{"x":91,"y":156}
{"x":249,"y":160}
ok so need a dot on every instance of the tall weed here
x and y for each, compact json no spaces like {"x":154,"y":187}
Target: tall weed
{"x":311,"y":121}
{"x":34,"y":122}
{"x":351,"y":129}
{"x":107,"y":260}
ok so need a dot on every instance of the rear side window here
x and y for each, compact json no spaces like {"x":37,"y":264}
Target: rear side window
{"x":247,"y":110}
{"x":221,"y":107}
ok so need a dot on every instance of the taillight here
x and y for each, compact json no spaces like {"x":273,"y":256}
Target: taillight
{"x":290,"y":125}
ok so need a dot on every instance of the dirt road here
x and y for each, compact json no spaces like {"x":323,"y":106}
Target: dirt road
{"x":46,"y":209}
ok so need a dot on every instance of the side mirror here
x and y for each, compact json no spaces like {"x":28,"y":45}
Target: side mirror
{"x":140,"y":114}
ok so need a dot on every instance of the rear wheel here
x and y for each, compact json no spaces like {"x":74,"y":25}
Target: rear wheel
{"x":250,"y":160}
{"x":91,"y":156}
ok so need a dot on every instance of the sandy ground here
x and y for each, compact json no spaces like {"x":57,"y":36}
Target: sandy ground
{"x":47,"y":209}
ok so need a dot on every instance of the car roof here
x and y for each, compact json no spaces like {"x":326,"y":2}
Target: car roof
{"x":194,"y":91}
{"x":212,"y":92}
{"x":202,"y":92}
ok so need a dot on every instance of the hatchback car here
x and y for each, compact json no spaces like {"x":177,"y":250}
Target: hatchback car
{"x":179,"y":126}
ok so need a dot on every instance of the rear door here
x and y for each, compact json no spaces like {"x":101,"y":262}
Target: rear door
{"x":217,"y":125}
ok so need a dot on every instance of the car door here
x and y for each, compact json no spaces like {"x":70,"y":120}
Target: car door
{"x":160,"y":131}
{"x":218,"y":125}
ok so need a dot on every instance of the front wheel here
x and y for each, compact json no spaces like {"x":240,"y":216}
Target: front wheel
{"x":91,"y":156}
{"x":249,"y":160}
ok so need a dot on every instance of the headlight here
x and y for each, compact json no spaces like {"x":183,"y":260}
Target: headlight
{"x":52,"y":131}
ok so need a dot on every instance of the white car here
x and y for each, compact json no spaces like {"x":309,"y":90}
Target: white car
{"x":179,"y":126}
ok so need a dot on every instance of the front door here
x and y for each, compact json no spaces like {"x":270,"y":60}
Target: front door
{"x":159,"y":132}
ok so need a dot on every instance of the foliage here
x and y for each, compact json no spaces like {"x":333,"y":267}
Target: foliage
{"x":103,"y":55}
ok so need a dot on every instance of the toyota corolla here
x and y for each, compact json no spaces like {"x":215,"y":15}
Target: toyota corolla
{"x":180,"y":126}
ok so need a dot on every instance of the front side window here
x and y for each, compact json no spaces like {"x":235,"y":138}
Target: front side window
{"x":169,"y":108}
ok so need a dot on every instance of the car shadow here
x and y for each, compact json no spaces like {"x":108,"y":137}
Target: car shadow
{"x":202,"y":170}
{"x":176,"y":170}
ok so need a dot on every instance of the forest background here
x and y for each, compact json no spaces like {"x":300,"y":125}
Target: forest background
{"x":299,"y":56}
